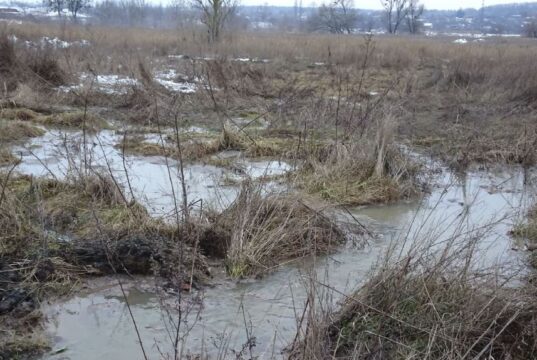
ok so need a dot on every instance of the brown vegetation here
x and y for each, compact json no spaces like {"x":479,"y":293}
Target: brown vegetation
{"x":260,"y":233}
{"x":528,"y":232}
{"x":360,"y":172}
{"x":72,"y":119}
{"x":339,"y":107}
{"x":429,"y":303}
{"x":17,"y":130}
{"x":55,"y":232}
{"x":7,"y":158}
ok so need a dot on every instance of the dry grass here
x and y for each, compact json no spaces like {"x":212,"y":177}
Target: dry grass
{"x":431,"y":302}
{"x":528,"y":232}
{"x":8,"y":62}
{"x":20,"y":339}
{"x":18,"y":131}
{"x":38,"y":65}
{"x":55,"y":232}
{"x":229,"y":138}
{"x":138,"y":146}
{"x":73,"y":119}
{"x":106,"y":233}
{"x":264,"y":232}
{"x":16,"y":113}
{"x":467,"y":103}
{"x":7,"y":158}
{"x":360,"y":171}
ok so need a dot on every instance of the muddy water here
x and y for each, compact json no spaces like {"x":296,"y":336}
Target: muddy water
{"x":59,"y":153}
{"x":96,"y":323}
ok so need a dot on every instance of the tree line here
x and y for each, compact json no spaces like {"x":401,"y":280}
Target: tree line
{"x":335,"y":16}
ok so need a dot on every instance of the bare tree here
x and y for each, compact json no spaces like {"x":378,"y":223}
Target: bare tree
{"x":215,"y":14}
{"x":530,"y":29}
{"x":135,"y":10}
{"x":74,"y":6}
{"x":55,"y":5}
{"x":414,"y":12}
{"x":396,"y":11}
{"x":338,"y":17}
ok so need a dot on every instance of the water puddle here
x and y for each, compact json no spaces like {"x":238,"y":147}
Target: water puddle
{"x":59,"y":153}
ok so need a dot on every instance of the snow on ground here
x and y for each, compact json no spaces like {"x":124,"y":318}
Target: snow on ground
{"x":476,"y":36}
{"x":175,"y":82}
{"x":114,"y":84}
{"x":183,"y":87}
{"x":255,"y":60}
{"x":109,"y":84}
{"x":54,"y":42}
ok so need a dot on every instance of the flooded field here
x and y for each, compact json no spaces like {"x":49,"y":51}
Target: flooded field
{"x":59,"y":153}
{"x":286,"y":195}
{"x":96,"y":323}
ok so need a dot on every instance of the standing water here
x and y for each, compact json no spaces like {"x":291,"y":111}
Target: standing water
{"x":96,"y":323}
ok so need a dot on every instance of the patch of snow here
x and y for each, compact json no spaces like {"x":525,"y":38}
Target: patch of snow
{"x":154,"y":138}
{"x":181,"y":87}
{"x":262,"y":25}
{"x":108,"y":84}
{"x":112,"y":80}
{"x":11,"y":22}
{"x":169,"y":79}
{"x":54,"y":42}
{"x":69,"y":88}
{"x":460,"y":41}
{"x":254,"y":60}
{"x":169,"y":74}
{"x":195,"y":130}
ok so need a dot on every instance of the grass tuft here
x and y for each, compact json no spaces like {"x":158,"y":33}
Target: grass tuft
{"x":352,"y":174}
{"x":427,"y":302}
{"x":75,"y":119}
{"x":18,"y":131}
{"x":267,"y":231}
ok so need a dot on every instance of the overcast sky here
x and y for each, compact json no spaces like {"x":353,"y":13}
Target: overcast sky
{"x":375,"y":4}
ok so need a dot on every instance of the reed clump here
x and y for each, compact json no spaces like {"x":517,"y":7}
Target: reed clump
{"x":359,"y":172}
{"x":261,"y":232}
{"x":18,"y":131}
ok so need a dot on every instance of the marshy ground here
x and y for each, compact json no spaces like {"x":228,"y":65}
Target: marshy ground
{"x":247,"y":199}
